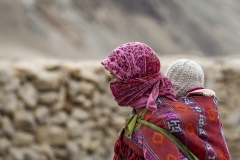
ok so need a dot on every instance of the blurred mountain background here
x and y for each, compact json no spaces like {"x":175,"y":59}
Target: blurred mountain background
{"x":90,"y":29}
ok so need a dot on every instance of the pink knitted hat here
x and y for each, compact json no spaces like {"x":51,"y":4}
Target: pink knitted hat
{"x":186,"y":75}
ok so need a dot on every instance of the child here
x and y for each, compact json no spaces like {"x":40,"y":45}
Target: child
{"x":187,"y":78}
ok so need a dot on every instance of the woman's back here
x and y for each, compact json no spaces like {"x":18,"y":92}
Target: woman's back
{"x":193,"y":120}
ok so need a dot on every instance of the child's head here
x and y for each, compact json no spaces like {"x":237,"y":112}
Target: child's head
{"x":185,"y":75}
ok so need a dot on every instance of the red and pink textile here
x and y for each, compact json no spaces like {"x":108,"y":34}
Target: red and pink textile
{"x":193,"y":120}
{"x":138,"y":67}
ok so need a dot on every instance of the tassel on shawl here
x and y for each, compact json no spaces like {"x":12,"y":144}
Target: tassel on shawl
{"x":122,"y":149}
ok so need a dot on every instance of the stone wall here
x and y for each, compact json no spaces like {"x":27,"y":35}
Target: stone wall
{"x":61,"y":110}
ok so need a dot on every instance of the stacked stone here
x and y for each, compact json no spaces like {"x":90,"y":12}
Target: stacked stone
{"x":60,"y":110}
{"x":52,"y":110}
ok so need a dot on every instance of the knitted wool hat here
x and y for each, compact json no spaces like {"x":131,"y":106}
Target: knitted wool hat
{"x":185,"y":75}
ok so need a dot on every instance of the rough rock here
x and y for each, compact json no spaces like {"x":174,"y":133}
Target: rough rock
{"x":80,"y":114}
{"x":4,"y":146}
{"x":42,"y":114}
{"x":48,"y":98}
{"x":53,"y":135}
{"x":29,"y":94}
{"x":23,"y":139}
{"x":24,"y":120}
{"x":59,"y":118}
{"x":9,"y":103}
{"x":48,"y":81}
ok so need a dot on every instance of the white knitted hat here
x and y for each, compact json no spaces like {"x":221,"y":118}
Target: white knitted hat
{"x":185,"y":75}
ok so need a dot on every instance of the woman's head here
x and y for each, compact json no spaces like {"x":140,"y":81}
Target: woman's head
{"x":185,"y":75}
{"x":136,"y":78}
{"x":132,"y":60}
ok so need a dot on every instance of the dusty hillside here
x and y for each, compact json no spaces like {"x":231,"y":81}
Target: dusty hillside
{"x":91,"y":29}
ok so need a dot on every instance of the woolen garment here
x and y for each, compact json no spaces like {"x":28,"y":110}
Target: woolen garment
{"x":138,"y":67}
{"x":192,"y":120}
{"x":185,"y":74}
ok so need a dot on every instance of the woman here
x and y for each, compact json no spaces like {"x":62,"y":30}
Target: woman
{"x":137,"y":83}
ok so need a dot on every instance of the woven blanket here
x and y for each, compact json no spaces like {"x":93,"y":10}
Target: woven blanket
{"x":192,"y":120}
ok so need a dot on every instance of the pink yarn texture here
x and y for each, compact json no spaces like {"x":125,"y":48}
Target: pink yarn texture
{"x":138,"y":66}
